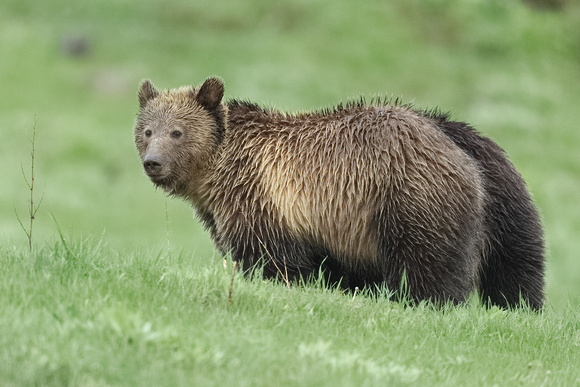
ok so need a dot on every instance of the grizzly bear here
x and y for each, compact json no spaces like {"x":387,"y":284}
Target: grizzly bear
{"x":367,"y":194}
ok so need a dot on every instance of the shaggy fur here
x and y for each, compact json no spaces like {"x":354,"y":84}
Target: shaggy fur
{"x":370,"y":194}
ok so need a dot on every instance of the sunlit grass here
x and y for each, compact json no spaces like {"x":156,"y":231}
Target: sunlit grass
{"x":80,"y":313}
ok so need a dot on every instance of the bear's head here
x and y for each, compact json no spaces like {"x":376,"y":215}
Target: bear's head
{"x":177,"y":133}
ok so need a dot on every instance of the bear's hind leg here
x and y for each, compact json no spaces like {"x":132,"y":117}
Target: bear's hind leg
{"x":514,"y":268}
{"x":512,"y":275}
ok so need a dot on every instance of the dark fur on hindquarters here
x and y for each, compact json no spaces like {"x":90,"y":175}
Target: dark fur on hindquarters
{"x":514,"y":265}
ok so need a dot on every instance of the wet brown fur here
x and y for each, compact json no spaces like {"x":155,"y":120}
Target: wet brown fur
{"x":369,"y":194}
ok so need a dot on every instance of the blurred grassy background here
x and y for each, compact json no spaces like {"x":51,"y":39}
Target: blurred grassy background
{"x":510,"y":68}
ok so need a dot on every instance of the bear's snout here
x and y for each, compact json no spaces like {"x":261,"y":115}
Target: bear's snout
{"x":152,"y":165}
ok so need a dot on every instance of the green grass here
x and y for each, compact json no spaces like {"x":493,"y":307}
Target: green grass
{"x":132,"y":311}
{"x":96,"y":316}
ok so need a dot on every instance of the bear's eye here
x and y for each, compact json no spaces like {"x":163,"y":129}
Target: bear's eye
{"x":176,"y":134}
{"x":148,"y":133}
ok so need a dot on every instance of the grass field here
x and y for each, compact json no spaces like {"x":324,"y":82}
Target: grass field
{"x":123,"y":286}
{"x":84,"y":315}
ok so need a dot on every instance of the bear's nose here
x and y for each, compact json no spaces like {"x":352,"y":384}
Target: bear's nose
{"x":152,"y":165}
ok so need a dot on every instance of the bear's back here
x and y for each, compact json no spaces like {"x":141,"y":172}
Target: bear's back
{"x":329,"y":176}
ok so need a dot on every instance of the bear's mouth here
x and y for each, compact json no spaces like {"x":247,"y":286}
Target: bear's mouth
{"x":155,"y":175}
{"x":159,"y":178}
{"x":168,"y":184}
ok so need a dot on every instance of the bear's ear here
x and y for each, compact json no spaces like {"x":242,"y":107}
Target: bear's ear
{"x":210,"y":94}
{"x":147,"y":92}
